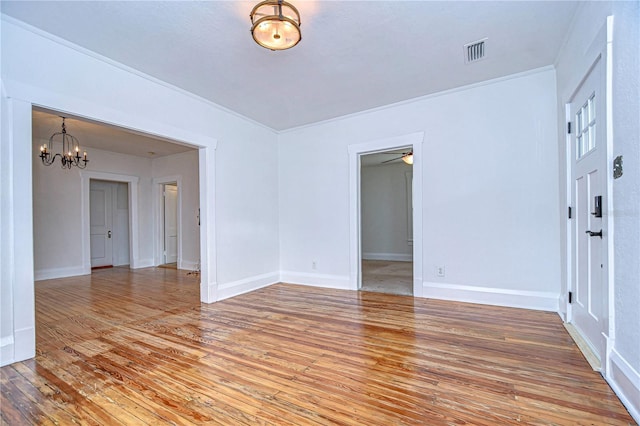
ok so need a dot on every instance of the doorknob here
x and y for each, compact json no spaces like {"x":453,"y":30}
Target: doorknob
{"x":595,"y":234}
{"x":108,"y":234}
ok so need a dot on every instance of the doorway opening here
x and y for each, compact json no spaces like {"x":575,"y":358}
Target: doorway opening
{"x":109,"y":224}
{"x":169,"y":222}
{"x":589,"y":303}
{"x":358,"y":153}
{"x":386,"y":222}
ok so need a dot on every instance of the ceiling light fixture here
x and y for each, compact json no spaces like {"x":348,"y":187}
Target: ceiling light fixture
{"x":70,"y":150}
{"x":275,"y":24}
{"x":408,"y":158}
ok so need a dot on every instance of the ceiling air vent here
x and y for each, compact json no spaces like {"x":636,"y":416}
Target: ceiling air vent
{"x":475,"y":51}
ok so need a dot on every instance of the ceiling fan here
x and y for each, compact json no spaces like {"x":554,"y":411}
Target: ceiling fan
{"x":407,"y":157}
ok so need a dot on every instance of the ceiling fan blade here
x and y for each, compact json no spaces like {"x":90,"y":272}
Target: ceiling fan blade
{"x":393,"y":159}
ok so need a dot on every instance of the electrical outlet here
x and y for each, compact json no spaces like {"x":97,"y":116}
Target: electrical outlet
{"x":314,"y":265}
{"x":440,"y":271}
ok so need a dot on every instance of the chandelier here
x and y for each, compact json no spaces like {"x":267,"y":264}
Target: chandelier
{"x":70,"y":150}
{"x":408,"y":158}
{"x":275,"y":24}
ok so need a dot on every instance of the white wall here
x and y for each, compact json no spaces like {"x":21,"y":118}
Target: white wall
{"x":57,"y":207}
{"x":490,"y":186}
{"x":385,"y":209}
{"x":572,"y":64}
{"x":237,"y":162}
{"x":184,"y":166}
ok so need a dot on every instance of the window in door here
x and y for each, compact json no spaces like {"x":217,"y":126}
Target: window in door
{"x":586,"y":127}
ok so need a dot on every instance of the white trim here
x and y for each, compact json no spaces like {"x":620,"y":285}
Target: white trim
{"x":625,"y":382}
{"x":608,"y":170}
{"x":5,"y":341}
{"x":421,"y":98}
{"x":564,"y":298}
{"x":143,"y":263}
{"x":408,"y":182}
{"x":188,"y":265}
{"x":53,"y":273}
{"x":7,"y":347}
{"x":537,"y":300}
{"x":158,"y":217}
{"x":393,"y":257}
{"x":246,"y":285}
{"x":208,"y":259}
{"x":132,"y":182}
{"x":115,"y":64}
{"x":414,"y":140}
{"x":18,"y":228}
{"x":341,"y":282}
{"x":24,"y":343}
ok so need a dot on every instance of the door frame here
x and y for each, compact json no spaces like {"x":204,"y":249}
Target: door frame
{"x":158,"y":218}
{"x":132,"y":193}
{"x":17,"y":105}
{"x":599,"y":54}
{"x":413,"y":140}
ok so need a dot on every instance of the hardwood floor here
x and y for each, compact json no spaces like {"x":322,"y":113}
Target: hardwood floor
{"x":137,"y":347}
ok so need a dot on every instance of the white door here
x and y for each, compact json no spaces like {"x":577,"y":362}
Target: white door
{"x":101,"y":218}
{"x":170,"y":223}
{"x":589,"y":308}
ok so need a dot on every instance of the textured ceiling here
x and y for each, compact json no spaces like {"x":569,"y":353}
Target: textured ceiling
{"x":354,"y":55}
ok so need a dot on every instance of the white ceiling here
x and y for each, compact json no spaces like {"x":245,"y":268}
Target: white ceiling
{"x":354,"y":55}
{"x":101,"y":136}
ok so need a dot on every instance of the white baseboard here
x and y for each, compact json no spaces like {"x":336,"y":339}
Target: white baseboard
{"x":246,"y":285}
{"x":24,"y":344}
{"x":121,"y":262}
{"x":538,"y":300}
{"x":316,"y":280}
{"x":625,"y":382}
{"x":188,"y":265}
{"x":142,"y":263}
{"x":6,"y":350}
{"x":394,"y":257}
{"x":18,"y":347}
{"x":53,"y":273}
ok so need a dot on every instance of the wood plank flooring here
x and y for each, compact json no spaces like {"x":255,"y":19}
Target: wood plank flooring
{"x":136,"y":347}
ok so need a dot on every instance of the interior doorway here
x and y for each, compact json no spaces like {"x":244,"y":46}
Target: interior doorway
{"x":109,"y":223}
{"x":413,"y":141}
{"x":386,"y":221}
{"x":170,"y":223}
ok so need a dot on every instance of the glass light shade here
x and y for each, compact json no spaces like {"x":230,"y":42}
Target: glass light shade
{"x":408,"y":158}
{"x":276,"y":25}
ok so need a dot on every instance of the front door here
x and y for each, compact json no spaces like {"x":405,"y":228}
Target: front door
{"x":101,"y":222}
{"x":589,"y":309}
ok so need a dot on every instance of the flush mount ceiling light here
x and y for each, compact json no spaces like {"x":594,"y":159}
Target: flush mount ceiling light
{"x":275,"y":25}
